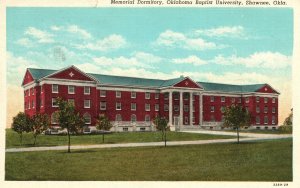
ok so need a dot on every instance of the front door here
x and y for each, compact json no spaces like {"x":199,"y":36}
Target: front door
{"x":176,"y":123}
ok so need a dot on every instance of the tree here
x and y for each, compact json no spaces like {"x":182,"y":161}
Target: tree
{"x":103,"y":124}
{"x":162,"y":124}
{"x":39,"y":123}
{"x":236,"y":116}
{"x":289,"y":119}
{"x":69,"y":119}
{"x":21,"y":123}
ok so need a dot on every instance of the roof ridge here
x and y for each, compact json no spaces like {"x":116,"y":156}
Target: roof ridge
{"x":125,"y":76}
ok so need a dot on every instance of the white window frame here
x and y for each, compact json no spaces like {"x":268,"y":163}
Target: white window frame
{"x":176,"y":108}
{"x":53,"y":101}
{"x":118,"y":106}
{"x":32,"y":104}
{"x":102,"y":105}
{"x":273,"y":100}
{"x":156,"y":107}
{"x":257,"y":99}
{"x":266,"y":100}
{"x":102,"y":93}
{"x":273,"y":120}
{"x":69,"y":89}
{"x":186,"y":108}
{"x":53,"y":118}
{"x":89,"y":90}
{"x":41,"y":88}
{"x":212,"y":98}
{"x":266,"y":109}
{"x":156,"y":95}
{"x":133,"y":120}
{"x":146,"y":118}
{"x":53,"y":90}
{"x":89,"y":103}
{"x":186,"y":120}
{"x":232,"y":100}
{"x":89,"y":116}
{"x":42,"y":102}
{"x":118,"y":118}
{"x":166,"y":107}
{"x":266,"y":118}
{"x":257,"y":118}
{"x":212,"y":108}
{"x":223,"y":99}
{"x":32,"y":91}
{"x":147,"y":95}
{"x":246,"y":99}
{"x":166,"y":96}
{"x":133,"y":105}
{"x":133,"y":95}
{"x":273,"y":110}
{"x":239,"y":100}
{"x":147,"y":107}
{"x":257,"y":109}
{"x":118,"y":94}
{"x":176,"y":96}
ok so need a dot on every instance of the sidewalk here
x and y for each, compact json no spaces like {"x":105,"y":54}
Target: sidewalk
{"x":250,"y":137}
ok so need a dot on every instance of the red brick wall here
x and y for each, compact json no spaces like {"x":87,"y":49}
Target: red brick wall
{"x":66,"y":75}
{"x":187,"y":83}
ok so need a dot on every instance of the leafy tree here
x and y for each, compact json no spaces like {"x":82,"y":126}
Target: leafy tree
{"x":40,"y":123}
{"x":289,"y":119}
{"x":236,"y":116}
{"x":21,"y":123}
{"x":162,"y":125}
{"x":69,"y":119}
{"x":103,"y":124}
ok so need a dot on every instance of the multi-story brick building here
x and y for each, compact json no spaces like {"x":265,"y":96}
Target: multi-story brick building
{"x":132,"y":103}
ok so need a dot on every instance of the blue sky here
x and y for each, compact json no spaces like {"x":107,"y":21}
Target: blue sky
{"x":237,"y":45}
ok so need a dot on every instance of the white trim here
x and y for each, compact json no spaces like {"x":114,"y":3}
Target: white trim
{"x":146,"y":95}
{"x":134,"y":87}
{"x":52,"y":90}
{"x":89,"y":116}
{"x":84,"y":90}
{"x":30,"y":84}
{"x":238,"y":94}
{"x":133,"y":109}
{"x":70,"y":86}
{"x":133,"y":97}
{"x":117,"y":94}
{"x":89,"y":106}
{"x":54,"y":106}
{"x":102,"y":93}
{"x":124,"y":89}
{"x":147,"y":110}
{"x":104,"y":105}
{"x":156,"y":109}
{"x":117,"y":105}
{"x":67,"y":82}
{"x":184,"y":78}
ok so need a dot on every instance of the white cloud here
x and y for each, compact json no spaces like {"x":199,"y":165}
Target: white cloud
{"x":111,"y":42}
{"x":41,"y":36}
{"x":174,"y":39}
{"x":77,"y":30}
{"x":270,"y":60}
{"x":224,"y":31}
{"x":146,"y":57}
{"x":55,"y":28}
{"x":26,"y":42}
{"x":190,"y":60}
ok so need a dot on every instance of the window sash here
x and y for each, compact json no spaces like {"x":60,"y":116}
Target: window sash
{"x":87,"y":90}
{"x":102,"y":105}
{"x":53,"y":102}
{"x":118,"y":94}
{"x":102,"y":93}
{"x":133,"y":106}
{"x":156,"y":107}
{"x":133,"y":95}
{"x":54,"y":88}
{"x":147,"y":107}
{"x":71,"y":89}
{"x":118,"y":106}
{"x":87,"y":103}
{"x":147,"y":95}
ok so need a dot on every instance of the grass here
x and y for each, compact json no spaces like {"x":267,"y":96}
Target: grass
{"x":13,"y":140}
{"x":259,"y":131}
{"x":252,"y":161}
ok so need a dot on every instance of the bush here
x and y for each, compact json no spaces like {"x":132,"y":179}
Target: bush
{"x":286,"y":129}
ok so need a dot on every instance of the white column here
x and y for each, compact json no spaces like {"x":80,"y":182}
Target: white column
{"x":181,"y":109}
{"x":200,"y":108}
{"x":191,"y":108}
{"x":170,"y":109}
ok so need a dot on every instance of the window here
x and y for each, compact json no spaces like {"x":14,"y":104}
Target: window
{"x":176,"y":96}
{"x":87,"y":90}
{"x":266,"y":120}
{"x":71,"y":101}
{"x":28,"y":92}
{"x":54,"y":118}
{"x":102,"y":93}
{"x":212,"y":99}
{"x":142,"y":128}
{"x":265,"y":100}
{"x":41,"y":88}
{"x":133,"y":95}
{"x":133,"y":106}
{"x":247,"y":99}
{"x":166,"y":96}
{"x":212,"y":109}
{"x":71,"y":89}
{"x":28,"y":104}
{"x":186,"y":108}
{"x":222,"y":109}
{"x":257,"y":120}
{"x":273,"y":110}
{"x":273,"y":100}
{"x":156,"y":95}
{"x":147,"y":95}
{"x":156,"y":107}
{"x":257,"y":99}
{"x":265,"y":109}
{"x":186,"y":120}
{"x":176,"y":108}
{"x":103,"y":105}
{"x":32,"y":91}
{"x":42,"y":102}
{"x":87,"y":118}
{"x":133,"y":118}
{"x":166,"y":107}
{"x":222,"y":99}
{"x":54,"y":103}
{"x":32,"y":104}
{"x":118,"y":106}
{"x":118,"y":117}
{"x":257,"y":109}
{"x":54,"y":88}
{"x":147,"y":118}
{"x":147,"y":107}
{"x":232,"y":100}
{"x":273,"y":120}
{"x":118,"y":94}
{"x":125,"y":129}
{"x":185,"y":96}
{"x":87,"y":104}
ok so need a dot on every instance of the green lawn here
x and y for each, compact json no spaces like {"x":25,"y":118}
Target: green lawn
{"x":259,"y":131}
{"x":13,"y":140}
{"x":252,"y":161}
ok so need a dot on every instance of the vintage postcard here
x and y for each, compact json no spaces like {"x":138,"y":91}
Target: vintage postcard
{"x":150,"y":93}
